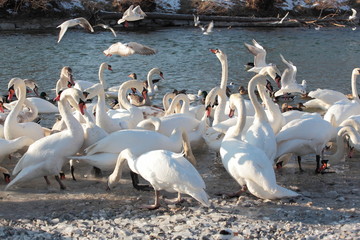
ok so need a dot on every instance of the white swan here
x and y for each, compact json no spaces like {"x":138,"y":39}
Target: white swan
{"x":169,"y":171}
{"x":47,"y":155}
{"x":248,"y":164}
{"x":82,"y":84}
{"x":132,"y":14}
{"x":345,"y":108}
{"x":259,"y":56}
{"x":66,"y":79}
{"x":324,"y":98}
{"x":307,"y":135}
{"x":149,"y":81}
{"x":288,"y":80}
{"x":6,"y":174}
{"x":127,"y":49}
{"x":12,"y":128}
{"x":260,"y":133}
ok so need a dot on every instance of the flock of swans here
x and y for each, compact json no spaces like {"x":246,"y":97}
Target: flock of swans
{"x":253,"y":137}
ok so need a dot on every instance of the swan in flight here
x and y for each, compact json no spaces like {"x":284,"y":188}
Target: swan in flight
{"x":105,"y":26}
{"x":207,"y":29}
{"x":132,"y":14}
{"x":196,"y":20}
{"x":288,"y":80}
{"x":127,"y":49}
{"x":73,"y":22}
{"x":259,"y":56}
{"x":169,"y":171}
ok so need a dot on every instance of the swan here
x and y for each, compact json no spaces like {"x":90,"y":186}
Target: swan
{"x":248,"y":164}
{"x":307,"y":135}
{"x":47,"y":155}
{"x":132,"y":14}
{"x":127,"y":49}
{"x":82,"y":84}
{"x":259,"y":56}
{"x":71,"y":23}
{"x":193,"y":111}
{"x":345,"y":108}
{"x":28,"y":113}
{"x":260,"y":133}
{"x":324,"y":98}
{"x":149,"y":81}
{"x":65,"y":80}
{"x":288,"y":80}
{"x":12,"y":128}
{"x":169,"y":171}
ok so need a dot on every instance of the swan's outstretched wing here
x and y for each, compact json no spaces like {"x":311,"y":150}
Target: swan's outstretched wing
{"x":259,"y":53}
{"x":106,"y":27}
{"x":139,"y":11}
{"x":128,"y":49}
{"x":289,"y":75}
{"x":85,"y":24}
{"x":128,"y":11}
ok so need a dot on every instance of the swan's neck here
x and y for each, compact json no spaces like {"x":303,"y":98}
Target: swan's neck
{"x":224,"y":73}
{"x":149,"y":80}
{"x":101,"y":75}
{"x":219,"y":114}
{"x":21,"y":95}
{"x":166,"y":100}
{"x":33,"y":109}
{"x":240,"y":123}
{"x":276,"y":118}
{"x":66,"y":113}
{"x":353,"y":86}
{"x":184,"y":106}
{"x":259,"y":110}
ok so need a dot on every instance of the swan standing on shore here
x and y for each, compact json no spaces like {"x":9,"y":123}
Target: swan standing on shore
{"x":169,"y":171}
{"x":47,"y":155}
{"x":248,"y":164}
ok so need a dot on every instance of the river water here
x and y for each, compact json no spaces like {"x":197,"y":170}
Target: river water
{"x":324,"y":58}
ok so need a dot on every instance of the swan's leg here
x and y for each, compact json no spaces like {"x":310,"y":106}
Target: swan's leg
{"x":317,"y":170}
{"x":62,"y":186}
{"x":47,"y":180}
{"x":156,"y":204}
{"x":72,"y":169}
{"x":97,"y":172}
{"x":299,"y":163}
{"x":62,"y":175}
{"x":175,"y":200}
{"x":135,"y":182}
{"x":351,"y":152}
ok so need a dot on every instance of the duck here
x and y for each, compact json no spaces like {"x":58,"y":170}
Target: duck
{"x":286,"y":107}
{"x":166,"y":170}
{"x":12,"y":128}
{"x":47,"y":155}
{"x":248,"y":164}
{"x":132,"y":14}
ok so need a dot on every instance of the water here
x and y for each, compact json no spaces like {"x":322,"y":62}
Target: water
{"x":324,"y":58}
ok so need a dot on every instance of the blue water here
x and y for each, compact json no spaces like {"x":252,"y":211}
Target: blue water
{"x":324,"y":58}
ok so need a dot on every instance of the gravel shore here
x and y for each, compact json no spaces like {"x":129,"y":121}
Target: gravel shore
{"x":328,"y":207}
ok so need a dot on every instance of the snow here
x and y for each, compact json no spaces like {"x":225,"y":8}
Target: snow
{"x":72,"y":4}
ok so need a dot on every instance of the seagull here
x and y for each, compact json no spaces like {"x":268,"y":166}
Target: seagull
{"x":127,"y":49}
{"x":196,"y":20}
{"x":106,"y":27}
{"x":281,"y":20}
{"x":353,"y":16}
{"x":288,"y":80}
{"x":73,"y":22}
{"x":259,"y":56}
{"x":207,"y":29}
{"x":132,"y":14}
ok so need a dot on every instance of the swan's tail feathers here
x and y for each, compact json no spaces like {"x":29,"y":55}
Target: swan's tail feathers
{"x":26,"y":174}
{"x":19,"y":165}
{"x":275,"y":192}
{"x":201,"y":196}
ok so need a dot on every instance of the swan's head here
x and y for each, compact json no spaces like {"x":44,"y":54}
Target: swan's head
{"x":109,"y":67}
{"x":219,"y":54}
{"x":133,"y":76}
{"x":1,"y":106}
{"x":6,"y":174}
{"x":67,"y":73}
{"x":356,"y":71}
{"x":13,"y":84}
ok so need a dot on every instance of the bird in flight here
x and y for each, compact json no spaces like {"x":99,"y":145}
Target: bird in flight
{"x":106,"y":27}
{"x":73,"y":22}
{"x":132,"y":14}
{"x":127,"y":49}
{"x":281,"y":20}
{"x":207,"y":29}
{"x":353,"y":16}
{"x":196,"y":20}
